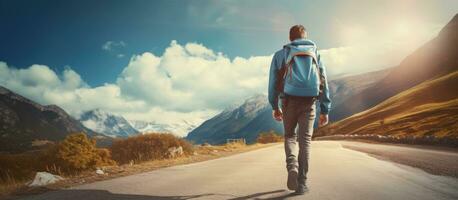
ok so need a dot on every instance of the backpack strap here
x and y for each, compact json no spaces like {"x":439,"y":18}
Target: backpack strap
{"x":305,"y":53}
{"x":281,"y":73}
{"x":322,"y":81}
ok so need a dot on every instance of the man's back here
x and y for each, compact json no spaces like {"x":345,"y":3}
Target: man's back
{"x":303,"y":79}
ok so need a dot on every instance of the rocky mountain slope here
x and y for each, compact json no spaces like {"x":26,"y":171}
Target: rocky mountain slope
{"x":25,"y":124}
{"x":343,"y":88}
{"x":108,"y":124}
{"x":243,"y":121}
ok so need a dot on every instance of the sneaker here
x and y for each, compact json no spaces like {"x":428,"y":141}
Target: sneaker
{"x":301,"y":189}
{"x":292,"y":180}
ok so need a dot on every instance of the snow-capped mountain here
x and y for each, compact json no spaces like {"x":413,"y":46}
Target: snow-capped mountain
{"x":107,"y":123}
{"x":181,"y":128}
{"x":246,"y":120}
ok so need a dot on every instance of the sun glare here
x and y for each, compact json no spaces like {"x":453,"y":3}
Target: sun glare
{"x":402,"y":28}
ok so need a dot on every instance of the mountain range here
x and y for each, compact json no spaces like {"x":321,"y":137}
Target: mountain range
{"x":253,"y":116}
{"x":108,"y":124}
{"x":429,"y":109}
{"x":344,"y":88}
{"x":25,"y":124}
{"x":242,"y":121}
{"x":436,"y":58}
{"x":180,"y":128}
{"x":354,"y":94}
{"x":113,"y":125}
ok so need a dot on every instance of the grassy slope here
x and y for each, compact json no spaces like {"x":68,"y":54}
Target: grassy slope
{"x":430,"y":108}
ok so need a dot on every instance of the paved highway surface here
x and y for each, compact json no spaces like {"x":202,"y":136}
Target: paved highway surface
{"x":435,"y":160}
{"x":336,"y":173}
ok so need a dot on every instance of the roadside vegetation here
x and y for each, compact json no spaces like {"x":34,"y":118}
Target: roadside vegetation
{"x":149,"y":147}
{"x":76,"y":153}
{"x":269,"y":137}
{"x":77,"y":159}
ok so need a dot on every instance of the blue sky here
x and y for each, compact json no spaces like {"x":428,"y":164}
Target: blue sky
{"x":75,"y":49}
{"x":71,"y":33}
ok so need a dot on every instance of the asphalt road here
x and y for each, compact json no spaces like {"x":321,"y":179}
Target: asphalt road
{"x":336,"y":173}
{"x":434,"y":160}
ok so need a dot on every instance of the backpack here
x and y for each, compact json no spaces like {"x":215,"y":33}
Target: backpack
{"x":285,"y":71}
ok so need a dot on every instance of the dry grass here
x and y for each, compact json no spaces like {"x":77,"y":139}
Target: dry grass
{"x":9,"y":184}
{"x":153,"y":146}
{"x":269,"y":137}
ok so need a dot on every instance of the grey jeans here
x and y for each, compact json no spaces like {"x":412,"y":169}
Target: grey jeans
{"x":298,"y":112}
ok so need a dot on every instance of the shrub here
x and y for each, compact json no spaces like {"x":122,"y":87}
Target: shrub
{"x":269,"y":137}
{"x":76,"y":153}
{"x":147,"y":147}
{"x":235,"y":145}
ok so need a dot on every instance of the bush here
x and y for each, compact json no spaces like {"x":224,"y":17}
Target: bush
{"x":269,"y":137}
{"x":77,"y":153}
{"x":153,"y":146}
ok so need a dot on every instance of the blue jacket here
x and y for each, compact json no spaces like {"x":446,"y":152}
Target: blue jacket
{"x":304,"y":79}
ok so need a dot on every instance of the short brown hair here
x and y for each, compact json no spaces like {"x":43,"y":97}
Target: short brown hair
{"x":296,"y":32}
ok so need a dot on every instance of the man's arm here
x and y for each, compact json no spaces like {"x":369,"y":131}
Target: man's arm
{"x":273,"y":93}
{"x":325,"y":100}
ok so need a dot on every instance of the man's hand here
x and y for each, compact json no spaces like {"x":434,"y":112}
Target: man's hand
{"x":324,"y":119}
{"x":277,"y":115}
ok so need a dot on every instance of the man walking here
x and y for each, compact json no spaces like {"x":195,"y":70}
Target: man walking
{"x":298,"y":79}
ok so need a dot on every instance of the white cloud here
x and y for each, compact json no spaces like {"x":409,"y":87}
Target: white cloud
{"x":188,"y":82}
{"x":113,"y":45}
{"x":115,"y":48}
{"x":193,"y":77}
